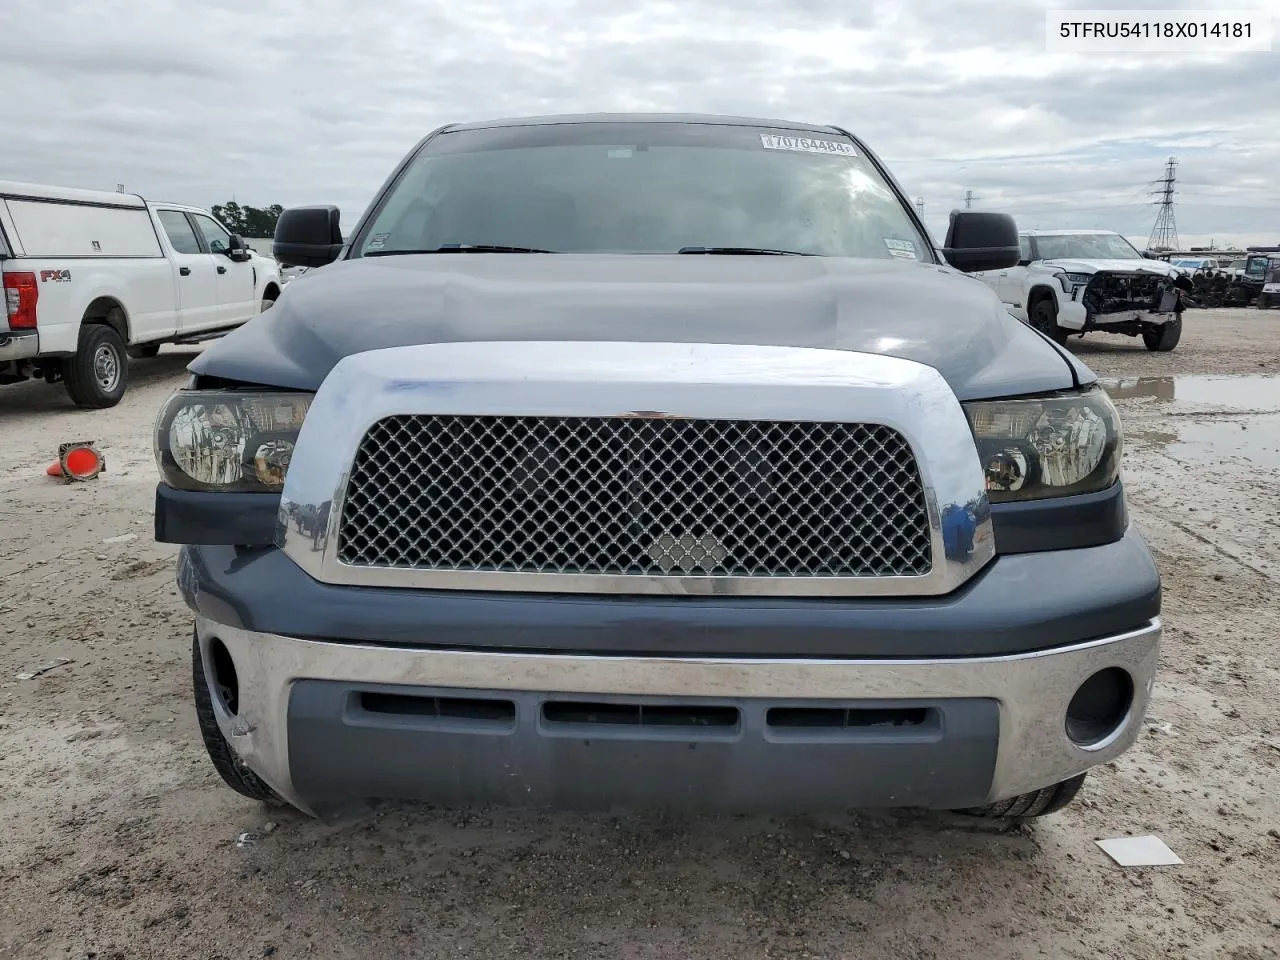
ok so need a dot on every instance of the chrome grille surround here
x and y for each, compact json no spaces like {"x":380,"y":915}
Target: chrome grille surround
{"x":635,"y":496}
{"x":644,"y":400}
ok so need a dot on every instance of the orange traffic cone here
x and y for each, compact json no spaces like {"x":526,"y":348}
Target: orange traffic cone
{"x":77,"y":461}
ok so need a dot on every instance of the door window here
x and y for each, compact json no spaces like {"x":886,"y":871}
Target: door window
{"x":214,"y":233}
{"x":178,"y":228}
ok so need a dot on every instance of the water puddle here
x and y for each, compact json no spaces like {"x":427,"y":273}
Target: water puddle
{"x":1204,"y":420}
{"x":1253,"y":441}
{"x":1255,"y":393}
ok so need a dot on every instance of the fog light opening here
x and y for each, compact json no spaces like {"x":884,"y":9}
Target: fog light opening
{"x":1099,"y":707}
{"x":226,"y":685}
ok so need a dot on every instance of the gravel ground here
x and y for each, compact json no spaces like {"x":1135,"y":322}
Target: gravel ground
{"x":119,"y":841}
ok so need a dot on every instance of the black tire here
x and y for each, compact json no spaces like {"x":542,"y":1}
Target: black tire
{"x":96,"y":377}
{"x":144,"y":351}
{"x":1163,"y":338}
{"x":233,"y":772}
{"x":1044,"y":317}
{"x":1038,"y":803}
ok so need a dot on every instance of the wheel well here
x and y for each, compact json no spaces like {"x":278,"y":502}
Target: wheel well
{"x":271,"y":291}
{"x":1036,"y":295}
{"x":109,"y":311}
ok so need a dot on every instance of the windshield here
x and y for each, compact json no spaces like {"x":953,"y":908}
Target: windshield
{"x":1257,"y":266}
{"x":1086,"y":246}
{"x":644,"y":188}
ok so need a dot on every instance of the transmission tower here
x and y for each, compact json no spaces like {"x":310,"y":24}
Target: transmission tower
{"x":920,"y":205}
{"x":1164,"y":235}
{"x":968,"y":199}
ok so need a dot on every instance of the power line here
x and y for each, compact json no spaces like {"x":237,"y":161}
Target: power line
{"x":1164,"y":235}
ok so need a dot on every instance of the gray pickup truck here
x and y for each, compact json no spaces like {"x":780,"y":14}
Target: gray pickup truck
{"x":653,"y":461}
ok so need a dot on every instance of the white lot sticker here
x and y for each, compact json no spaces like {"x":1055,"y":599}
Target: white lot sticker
{"x":806,"y":145}
{"x":901,"y":248}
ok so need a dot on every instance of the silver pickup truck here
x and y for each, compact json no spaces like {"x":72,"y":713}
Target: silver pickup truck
{"x":653,"y":461}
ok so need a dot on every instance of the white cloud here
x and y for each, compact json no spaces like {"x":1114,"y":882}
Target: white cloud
{"x":274,"y":101}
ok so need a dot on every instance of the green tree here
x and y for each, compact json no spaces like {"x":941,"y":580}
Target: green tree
{"x":261,"y":222}
{"x":248,"y":221}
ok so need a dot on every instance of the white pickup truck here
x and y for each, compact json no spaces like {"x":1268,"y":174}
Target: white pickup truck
{"x":1081,"y":281}
{"x":92,"y":279}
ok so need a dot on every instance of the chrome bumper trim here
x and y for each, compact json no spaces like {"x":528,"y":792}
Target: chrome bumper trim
{"x":18,"y":345}
{"x":1033,"y":689}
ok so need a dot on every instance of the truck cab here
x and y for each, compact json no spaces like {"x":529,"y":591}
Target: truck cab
{"x":93,"y":279}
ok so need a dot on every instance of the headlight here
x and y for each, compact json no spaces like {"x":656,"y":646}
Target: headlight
{"x":1069,"y":280}
{"x":1050,"y":446}
{"x":228,"y":440}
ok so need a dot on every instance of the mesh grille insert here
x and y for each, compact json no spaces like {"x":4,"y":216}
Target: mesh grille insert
{"x":635,"y":496}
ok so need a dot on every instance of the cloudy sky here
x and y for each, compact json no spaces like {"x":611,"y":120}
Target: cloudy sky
{"x":282,"y":101}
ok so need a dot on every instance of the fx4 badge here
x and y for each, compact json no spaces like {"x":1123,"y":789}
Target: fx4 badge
{"x":55,"y":276}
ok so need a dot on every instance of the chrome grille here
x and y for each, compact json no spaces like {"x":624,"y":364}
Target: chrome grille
{"x":635,"y":496}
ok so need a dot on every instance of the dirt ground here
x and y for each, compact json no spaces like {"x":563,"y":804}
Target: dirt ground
{"x":117,"y":840}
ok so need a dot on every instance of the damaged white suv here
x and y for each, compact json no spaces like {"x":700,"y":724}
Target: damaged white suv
{"x":1078,"y":281}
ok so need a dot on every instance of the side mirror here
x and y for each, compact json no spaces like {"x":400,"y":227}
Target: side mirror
{"x":237,"y":250}
{"x":308,"y":236}
{"x":981,"y":241}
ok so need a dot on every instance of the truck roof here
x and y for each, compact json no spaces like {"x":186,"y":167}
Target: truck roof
{"x":690,"y":118}
{"x":41,"y":191}
{"x":178,"y":206}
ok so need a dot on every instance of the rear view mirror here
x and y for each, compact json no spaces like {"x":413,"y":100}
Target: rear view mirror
{"x":308,"y":236}
{"x":981,"y":241}
{"x":237,"y":250}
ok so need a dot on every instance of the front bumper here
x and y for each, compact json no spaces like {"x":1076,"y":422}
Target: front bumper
{"x":1016,"y":604}
{"x":326,"y":723}
{"x":1073,"y":315}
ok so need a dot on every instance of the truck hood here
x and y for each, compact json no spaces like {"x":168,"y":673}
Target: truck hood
{"x":916,"y":311}
{"x":1116,"y":266}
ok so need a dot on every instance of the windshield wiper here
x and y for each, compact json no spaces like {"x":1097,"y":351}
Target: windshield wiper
{"x":745,"y":251}
{"x":458,"y":248}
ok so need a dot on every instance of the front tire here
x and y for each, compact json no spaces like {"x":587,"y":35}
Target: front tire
{"x":1044,"y":317}
{"x":1163,"y":338}
{"x":232,"y":770}
{"x":1027,"y":806}
{"x":96,"y":377}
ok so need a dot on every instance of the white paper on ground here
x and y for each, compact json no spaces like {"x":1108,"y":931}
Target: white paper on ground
{"x":1139,"y":851}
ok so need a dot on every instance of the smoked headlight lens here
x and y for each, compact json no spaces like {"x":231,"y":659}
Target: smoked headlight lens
{"x":1051,"y":446}
{"x":1069,"y":280}
{"x":229,"y":440}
